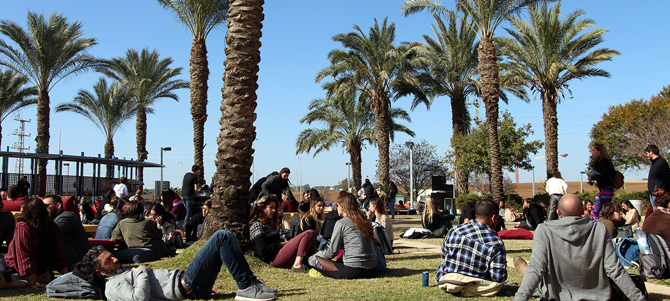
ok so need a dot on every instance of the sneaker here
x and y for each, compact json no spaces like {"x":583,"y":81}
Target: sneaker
{"x":520,"y":264}
{"x":302,"y":269}
{"x":315,"y":273}
{"x":264,"y":287}
{"x":253,"y":293}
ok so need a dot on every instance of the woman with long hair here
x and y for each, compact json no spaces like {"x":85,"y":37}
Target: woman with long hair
{"x":165,"y":221}
{"x":354,"y":234}
{"x":267,"y":243}
{"x":139,"y":235}
{"x":173,"y":204}
{"x":110,"y":220}
{"x":511,"y":213}
{"x":377,"y":213}
{"x":659,"y":222}
{"x":37,"y":247}
{"x":631,"y":215}
{"x":314,"y":218}
{"x":602,"y":165}
{"x":436,"y":221}
{"x":86,"y":213}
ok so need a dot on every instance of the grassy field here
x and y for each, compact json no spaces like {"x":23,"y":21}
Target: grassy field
{"x":403,"y":282}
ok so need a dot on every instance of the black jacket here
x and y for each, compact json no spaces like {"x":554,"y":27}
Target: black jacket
{"x":369,"y":191}
{"x":606,"y":169}
{"x":329,"y":223}
{"x":534,"y":215}
{"x":659,"y":175}
{"x":255,"y":191}
{"x":466,"y":212}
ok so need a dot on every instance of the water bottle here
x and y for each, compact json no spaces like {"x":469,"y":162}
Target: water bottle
{"x":642,"y":242}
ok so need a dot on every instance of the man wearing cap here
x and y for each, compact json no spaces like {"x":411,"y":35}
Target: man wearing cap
{"x":659,"y":172}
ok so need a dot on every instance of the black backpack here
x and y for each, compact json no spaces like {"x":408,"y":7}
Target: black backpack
{"x":656,"y":265}
{"x":383,"y":239}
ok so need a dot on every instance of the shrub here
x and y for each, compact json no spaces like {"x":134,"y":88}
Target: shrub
{"x":541,"y":198}
{"x":463,"y":198}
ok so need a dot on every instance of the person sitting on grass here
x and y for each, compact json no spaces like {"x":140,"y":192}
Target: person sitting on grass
{"x":267,"y":243}
{"x":355,"y":235}
{"x":467,"y":211}
{"x":173,"y":204}
{"x":632,"y":217}
{"x":434,"y":220}
{"x":110,"y":220}
{"x":196,"y":282}
{"x":165,"y":221}
{"x":197,"y":221}
{"x":37,"y":247}
{"x":377,"y":213}
{"x":475,"y":261}
{"x":314,"y":218}
{"x":533,"y":215}
{"x":610,"y":215}
{"x":659,"y":222}
{"x":573,"y":258}
{"x":75,"y":238}
{"x":142,"y":237}
{"x":294,"y":225}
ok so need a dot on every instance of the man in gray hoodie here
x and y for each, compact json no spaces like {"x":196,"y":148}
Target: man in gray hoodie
{"x":573,"y":259}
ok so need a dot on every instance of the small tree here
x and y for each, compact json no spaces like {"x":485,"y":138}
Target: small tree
{"x":473,"y":148}
{"x":426,"y":164}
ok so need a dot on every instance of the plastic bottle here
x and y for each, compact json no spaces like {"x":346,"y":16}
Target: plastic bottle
{"x":642,"y":242}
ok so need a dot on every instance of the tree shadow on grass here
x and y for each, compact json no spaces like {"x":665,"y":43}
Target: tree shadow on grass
{"x":519,"y":251}
{"x":293,"y":292}
{"x":406,"y":256}
{"x":26,"y":291}
{"x":402,"y":272}
{"x":508,"y":291}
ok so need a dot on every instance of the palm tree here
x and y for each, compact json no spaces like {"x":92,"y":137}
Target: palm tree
{"x":149,"y":78}
{"x":200,"y":16}
{"x":487,"y":15}
{"x":14,"y":95}
{"x":230,"y":208}
{"x":47,"y":52}
{"x":380,"y":72}
{"x":108,"y":107}
{"x":547,"y":53}
{"x":452,"y":61}
{"x":350,"y":123}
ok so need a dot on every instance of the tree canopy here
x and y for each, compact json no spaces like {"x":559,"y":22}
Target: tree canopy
{"x":425,"y":161}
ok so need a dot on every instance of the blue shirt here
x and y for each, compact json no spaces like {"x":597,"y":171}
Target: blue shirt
{"x":106,"y":226}
{"x":473,"y":249}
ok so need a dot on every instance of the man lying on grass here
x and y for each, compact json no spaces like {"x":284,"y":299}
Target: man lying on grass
{"x":143,"y":283}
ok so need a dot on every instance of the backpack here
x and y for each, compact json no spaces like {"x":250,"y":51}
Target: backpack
{"x":617,"y":181}
{"x":655,"y":265}
{"x":382,"y":239}
{"x":628,"y":251}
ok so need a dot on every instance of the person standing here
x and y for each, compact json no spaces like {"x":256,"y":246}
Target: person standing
{"x":369,"y":193}
{"x":659,"y":172}
{"x":189,"y":187}
{"x":393,"y":190}
{"x":556,"y":188}
{"x":602,"y":165}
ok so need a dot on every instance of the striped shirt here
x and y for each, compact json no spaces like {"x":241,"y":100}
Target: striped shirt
{"x":22,"y":254}
{"x":473,"y":249}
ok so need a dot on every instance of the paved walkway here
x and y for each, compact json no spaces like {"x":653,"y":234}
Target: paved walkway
{"x":430,"y":248}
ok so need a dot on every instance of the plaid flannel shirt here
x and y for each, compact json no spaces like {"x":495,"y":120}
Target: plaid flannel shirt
{"x":473,"y":249}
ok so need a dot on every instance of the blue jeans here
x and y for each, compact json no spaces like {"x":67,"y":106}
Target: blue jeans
{"x":221,"y":248}
{"x":188,"y":203}
{"x":106,"y":226}
{"x":392,"y":206}
{"x":366,"y":204}
{"x":652,"y":198}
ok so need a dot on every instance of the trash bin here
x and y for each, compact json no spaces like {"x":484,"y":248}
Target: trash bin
{"x":638,"y":205}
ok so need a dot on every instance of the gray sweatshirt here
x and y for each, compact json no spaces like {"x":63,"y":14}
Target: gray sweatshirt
{"x":359,"y":250}
{"x":572,"y":259}
{"x":145,"y":285}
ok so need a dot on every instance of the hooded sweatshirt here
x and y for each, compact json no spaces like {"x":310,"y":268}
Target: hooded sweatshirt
{"x":572,"y":259}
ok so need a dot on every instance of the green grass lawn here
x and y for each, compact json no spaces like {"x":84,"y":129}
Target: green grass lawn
{"x":403,"y":282}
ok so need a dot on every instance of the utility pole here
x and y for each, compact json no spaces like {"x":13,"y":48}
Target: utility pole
{"x":19,"y":146}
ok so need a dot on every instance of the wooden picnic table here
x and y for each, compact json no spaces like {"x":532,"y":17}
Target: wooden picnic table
{"x":91,"y":229}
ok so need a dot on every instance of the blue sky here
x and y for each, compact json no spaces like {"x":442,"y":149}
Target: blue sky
{"x":296,"y":40}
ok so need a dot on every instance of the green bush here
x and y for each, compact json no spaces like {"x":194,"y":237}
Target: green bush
{"x":587,"y":195}
{"x":541,"y":198}
{"x":516,"y":199}
{"x":463,"y":198}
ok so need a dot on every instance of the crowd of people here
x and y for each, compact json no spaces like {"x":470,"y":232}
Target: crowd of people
{"x":341,"y":241}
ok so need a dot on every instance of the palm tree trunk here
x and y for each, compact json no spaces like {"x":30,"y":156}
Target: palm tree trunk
{"x":488,"y":72}
{"x":380,"y":107}
{"x":356,"y":161}
{"x":230,"y":205}
{"x":109,"y":153}
{"x":550,"y":131}
{"x":459,"y":128}
{"x":141,"y":138}
{"x":199,"y":72}
{"x":42,"y":140}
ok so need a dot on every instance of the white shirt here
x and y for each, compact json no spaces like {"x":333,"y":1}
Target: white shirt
{"x":556,"y":186}
{"x":121,"y":190}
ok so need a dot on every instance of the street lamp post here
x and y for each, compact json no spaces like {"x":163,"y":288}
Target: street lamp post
{"x":182,"y":168}
{"x":300,"y":173}
{"x":348,"y":164}
{"x":160,"y":185}
{"x":410,"y":144}
{"x":59,"y":135}
{"x":581,"y":181}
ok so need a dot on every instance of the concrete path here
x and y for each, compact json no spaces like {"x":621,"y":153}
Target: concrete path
{"x":430,"y":248}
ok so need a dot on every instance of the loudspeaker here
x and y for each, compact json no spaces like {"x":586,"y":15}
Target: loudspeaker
{"x":439,"y":183}
{"x":438,"y":199}
{"x":449,"y":190}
